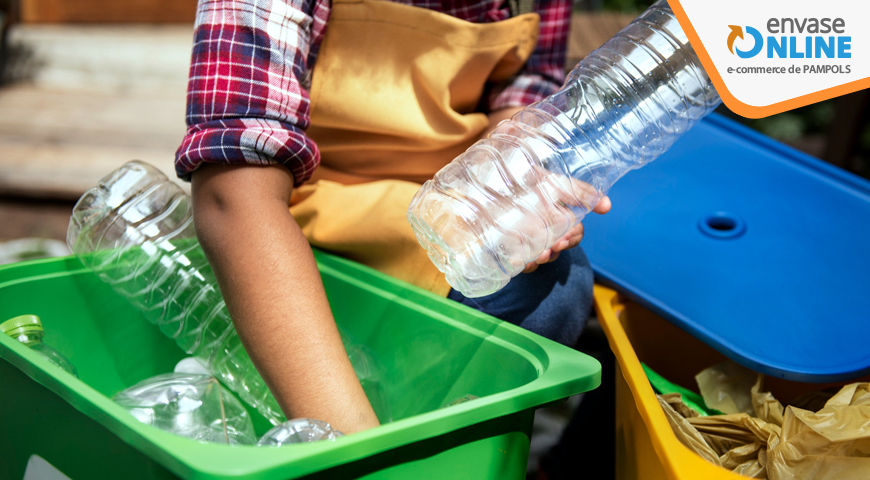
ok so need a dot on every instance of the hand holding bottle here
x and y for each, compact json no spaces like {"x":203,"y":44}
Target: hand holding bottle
{"x":569,"y":240}
{"x":507,"y":200}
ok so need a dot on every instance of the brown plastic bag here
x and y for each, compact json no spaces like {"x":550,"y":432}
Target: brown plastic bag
{"x":741,"y":441}
{"x":725,"y":387}
{"x":780,"y":444}
{"x":833,"y":443}
{"x":685,"y":432}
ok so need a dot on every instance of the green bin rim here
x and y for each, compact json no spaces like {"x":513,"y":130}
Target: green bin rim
{"x":562,"y":372}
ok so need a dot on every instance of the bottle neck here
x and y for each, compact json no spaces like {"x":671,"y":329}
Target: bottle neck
{"x":29,"y":338}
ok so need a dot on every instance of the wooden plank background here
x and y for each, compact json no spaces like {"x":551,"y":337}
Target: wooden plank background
{"x":90,"y":97}
{"x":591,"y":29}
{"x":108,"y":11}
{"x":87,"y":99}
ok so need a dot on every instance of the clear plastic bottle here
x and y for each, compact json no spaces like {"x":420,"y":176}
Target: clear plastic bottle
{"x":135,"y":231}
{"x":299,"y":430}
{"x":191,"y":405}
{"x":512,"y":195}
{"x":28,"y":330}
{"x":370,"y":373}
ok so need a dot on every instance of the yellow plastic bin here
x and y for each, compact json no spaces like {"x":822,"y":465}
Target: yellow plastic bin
{"x":646,"y":447}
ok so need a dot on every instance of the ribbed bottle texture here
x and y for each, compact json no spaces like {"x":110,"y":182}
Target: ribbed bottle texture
{"x":509,"y":197}
{"x":135,"y":231}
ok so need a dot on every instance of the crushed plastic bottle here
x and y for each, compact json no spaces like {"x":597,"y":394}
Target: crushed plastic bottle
{"x":190,"y":405}
{"x":191,"y":365}
{"x":370,"y":373}
{"x":511,"y":196}
{"x":299,"y":430}
{"x":135,"y":231}
{"x":28,"y":330}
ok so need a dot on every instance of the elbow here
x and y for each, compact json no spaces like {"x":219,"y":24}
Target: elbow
{"x":212,"y":215}
{"x":227,"y":197}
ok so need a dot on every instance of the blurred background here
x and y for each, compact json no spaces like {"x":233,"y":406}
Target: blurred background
{"x":86,"y":85}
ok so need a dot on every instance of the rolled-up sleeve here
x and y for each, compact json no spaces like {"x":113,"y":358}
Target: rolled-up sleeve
{"x":544,"y":71}
{"x":245,"y":101}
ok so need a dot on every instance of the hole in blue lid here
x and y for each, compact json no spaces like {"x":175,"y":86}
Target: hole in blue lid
{"x":722,"y":225}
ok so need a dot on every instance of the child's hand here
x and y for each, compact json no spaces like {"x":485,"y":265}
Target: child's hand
{"x":580,"y":190}
{"x":569,"y":240}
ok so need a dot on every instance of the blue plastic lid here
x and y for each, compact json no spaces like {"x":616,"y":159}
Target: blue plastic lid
{"x":758,"y":250}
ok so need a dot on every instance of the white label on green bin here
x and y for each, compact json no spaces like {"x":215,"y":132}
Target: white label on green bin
{"x":39,"y":469}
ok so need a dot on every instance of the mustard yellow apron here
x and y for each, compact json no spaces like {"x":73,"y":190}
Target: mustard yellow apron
{"x":393,"y":96}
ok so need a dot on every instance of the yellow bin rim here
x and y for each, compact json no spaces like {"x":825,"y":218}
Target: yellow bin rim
{"x":678,"y":461}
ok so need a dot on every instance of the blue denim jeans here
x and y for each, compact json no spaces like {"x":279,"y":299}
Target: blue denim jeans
{"x":554,"y":301}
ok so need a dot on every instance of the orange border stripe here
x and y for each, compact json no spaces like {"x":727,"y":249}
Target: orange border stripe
{"x":746,"y":110}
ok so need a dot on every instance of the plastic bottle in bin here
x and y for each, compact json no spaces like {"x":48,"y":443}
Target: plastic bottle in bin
{"x":135,"y":231}
{"x":511,"y":196}
{"x":299,"y":430}
{"x":190,"y":405}
{"x":28,"y":330}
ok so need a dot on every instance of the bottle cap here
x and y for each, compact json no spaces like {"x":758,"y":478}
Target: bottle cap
{"x":21,"y":324}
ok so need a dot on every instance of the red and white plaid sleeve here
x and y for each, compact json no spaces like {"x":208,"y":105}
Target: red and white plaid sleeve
{"x":246,"y":103}
{"x":245,"y":99}
{"x":544,"y":72}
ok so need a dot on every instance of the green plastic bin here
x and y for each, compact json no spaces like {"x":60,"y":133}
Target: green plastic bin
{"x":433,"y":350}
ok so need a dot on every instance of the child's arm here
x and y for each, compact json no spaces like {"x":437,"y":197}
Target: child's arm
{"x":245,"y":150}
{"x":274,"y":294}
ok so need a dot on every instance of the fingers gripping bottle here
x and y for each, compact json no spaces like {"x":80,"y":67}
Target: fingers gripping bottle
{"x":135,"y":231}
{"x":512,"y":195}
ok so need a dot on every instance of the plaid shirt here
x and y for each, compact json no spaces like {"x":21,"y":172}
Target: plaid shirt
{"x":247,"y":100}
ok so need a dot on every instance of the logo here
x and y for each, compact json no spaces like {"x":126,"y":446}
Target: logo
{"x":756,"y":38}
{"x":795,"y":38}
{"x":768,"y":57}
